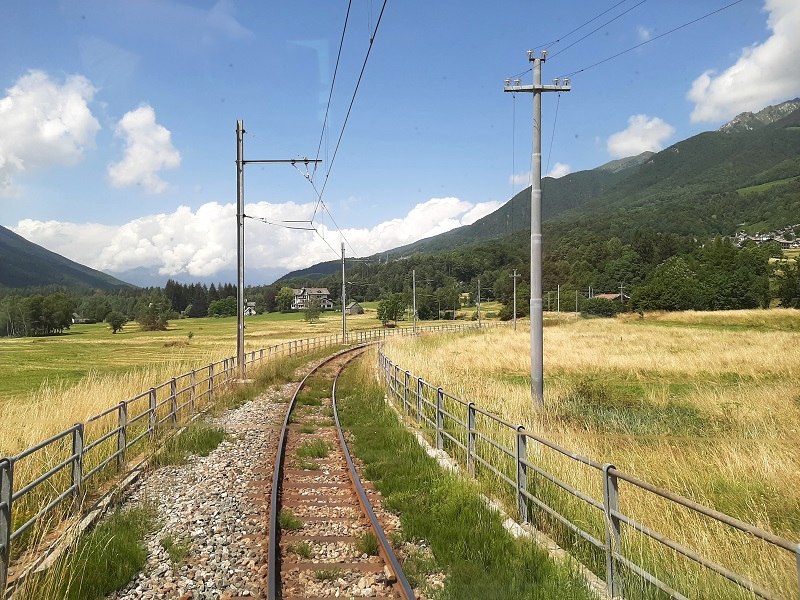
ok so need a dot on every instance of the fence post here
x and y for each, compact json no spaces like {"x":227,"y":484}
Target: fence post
{"x":173,"y":400}
{"x":193,"y":391}
{"x":613,"y":539}
{"x":522,"y":473}
{"x":420,"y":386}
{"x":471,"y":438}
{"x":439,"y":419}
{"x":77,"y":459}
{"x":210,"y":381}
{"x":122,"y":434}
{"x":151,"y":417}
{"x":405,"y":392}
{"x":6,"y":490}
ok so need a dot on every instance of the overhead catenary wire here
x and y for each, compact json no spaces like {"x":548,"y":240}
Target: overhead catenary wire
{"x":653,"y":39}
{"x":333,"y":83}
{"x":321,"y":192}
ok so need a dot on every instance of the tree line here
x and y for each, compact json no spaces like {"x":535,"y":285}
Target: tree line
{"x":657,"y":272}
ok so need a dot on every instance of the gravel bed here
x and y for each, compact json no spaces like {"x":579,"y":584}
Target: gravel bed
{"x":204,"y":506}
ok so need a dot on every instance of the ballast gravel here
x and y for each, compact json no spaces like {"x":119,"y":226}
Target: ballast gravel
{"x":210,"y":508}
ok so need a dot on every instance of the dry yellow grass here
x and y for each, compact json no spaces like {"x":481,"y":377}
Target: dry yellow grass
{"x":704,"y":404}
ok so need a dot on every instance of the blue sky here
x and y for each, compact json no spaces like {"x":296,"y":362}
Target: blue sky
{"x":117,"y":118}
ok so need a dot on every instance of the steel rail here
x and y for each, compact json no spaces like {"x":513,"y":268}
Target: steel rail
{"x":273,"y":553}
{"x":388,"y":553}
{"x":273,"y":557}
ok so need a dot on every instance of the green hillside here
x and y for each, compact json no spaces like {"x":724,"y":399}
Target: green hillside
{"x":24,"y":264}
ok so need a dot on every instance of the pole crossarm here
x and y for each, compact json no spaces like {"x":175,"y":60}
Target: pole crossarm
{"x":289,"y":161}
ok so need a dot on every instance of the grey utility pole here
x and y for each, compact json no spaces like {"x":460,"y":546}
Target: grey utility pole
{"x":537,"y":321}
{"x":478,"y":304}
{"x":240,"y":163}
{"x":514,"y":276}
{"x":344,"y":297}
{"x":414,"y":296}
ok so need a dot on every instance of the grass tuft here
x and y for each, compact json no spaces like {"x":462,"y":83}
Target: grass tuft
{"x":288,"y":521}
{"x":199,"y":438}
{"x":313,"y":449}
{"x":367,"y":544}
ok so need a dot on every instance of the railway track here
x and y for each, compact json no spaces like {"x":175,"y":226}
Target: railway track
{"x":325,"y":538}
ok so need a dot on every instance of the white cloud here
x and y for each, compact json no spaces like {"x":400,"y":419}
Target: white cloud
{"x":148,"y":149}
{"x":643,"y":133}
{"x":201,"y":243}
{"x":559,"y":170}
{"x":764,"y":73}
{"x":523,"y":178}
{"x":44,"y":124}
{"x":643,"y":33}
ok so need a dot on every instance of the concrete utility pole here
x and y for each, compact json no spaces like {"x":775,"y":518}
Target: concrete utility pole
{"x":414,"y":296}
{"x":344,"y":298}
{"x":558,"y":299}
{"x":537,"y":321}
{"x":514,"y":277}
{"x":240,"y":163}
{"x":479,"y":303}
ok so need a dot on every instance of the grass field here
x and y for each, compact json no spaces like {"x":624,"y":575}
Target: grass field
{"x":28,"y":364}
{"x":703,"y":404}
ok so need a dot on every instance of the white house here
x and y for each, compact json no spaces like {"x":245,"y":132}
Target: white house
{"x":305,"y":296}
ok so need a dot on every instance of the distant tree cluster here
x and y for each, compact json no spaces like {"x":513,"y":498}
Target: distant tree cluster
{"x":36,"y":315}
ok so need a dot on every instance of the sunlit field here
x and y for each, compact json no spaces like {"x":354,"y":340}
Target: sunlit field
{"x":27,"y":364}
{"x":703,"y":404}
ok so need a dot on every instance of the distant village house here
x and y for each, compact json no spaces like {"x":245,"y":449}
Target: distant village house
{"x":305,"y":297}
{"x":354,"y":308}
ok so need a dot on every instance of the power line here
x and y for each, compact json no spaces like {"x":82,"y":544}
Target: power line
{"x":579,"y":27}
{"x":353,"y":99}
{"x":553,"y":134}
{"x":595,"y":30}
{"x":321,"y":192}
{"x":666,"y":33}
{"x":282,"y":224}
{"x":333,"y":83}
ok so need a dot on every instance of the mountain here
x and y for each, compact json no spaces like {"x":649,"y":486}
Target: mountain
{"x":744,"y":176}
{"x":25,"y":264}
{"x":747,"y":121}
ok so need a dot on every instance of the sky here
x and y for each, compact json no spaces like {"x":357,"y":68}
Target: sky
{"x":118,"y":117}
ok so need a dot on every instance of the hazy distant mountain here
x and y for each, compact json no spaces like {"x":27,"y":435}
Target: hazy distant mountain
{"x":150,"y":277}
{"x":25,"y":264}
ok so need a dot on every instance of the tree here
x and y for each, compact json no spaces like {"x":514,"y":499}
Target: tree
{"x":391,"y":308}
{"x":223,"y":308}
{"x":285,"y":298}
{"x":153,"y":311}
{"x":312,"y":311}
{"x":116,"y":320}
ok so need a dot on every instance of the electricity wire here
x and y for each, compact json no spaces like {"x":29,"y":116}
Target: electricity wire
{"x":598,"y":28}
{"x":353,"y":98}
{"x":579,"y":27}
{"x":321,"y":193}
{"x":553,"y":134}
{"x":666,"y":33}
{"x":333,"y":83}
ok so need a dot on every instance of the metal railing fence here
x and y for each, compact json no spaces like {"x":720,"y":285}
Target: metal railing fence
{"x":47,"y":480}
{"x":524,"y":467}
